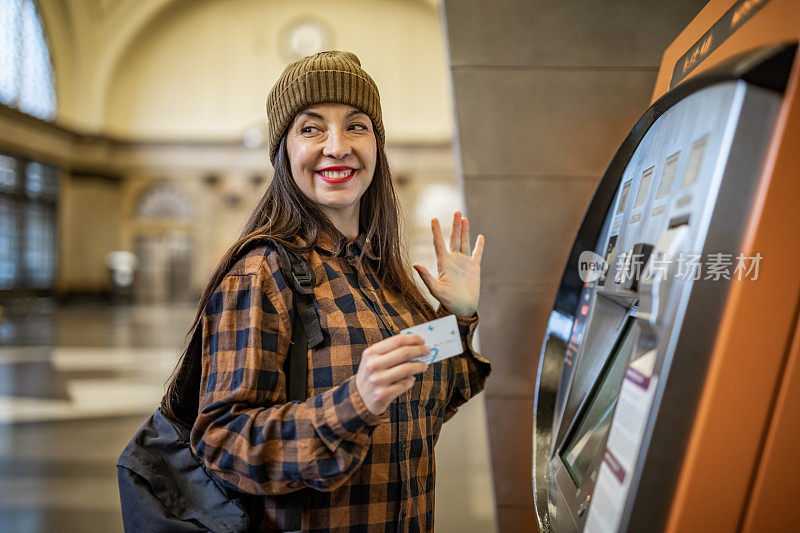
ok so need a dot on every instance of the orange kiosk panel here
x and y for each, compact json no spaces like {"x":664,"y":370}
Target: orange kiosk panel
{"x":740,"y":467}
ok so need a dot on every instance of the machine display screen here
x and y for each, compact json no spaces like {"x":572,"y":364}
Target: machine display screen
{"x":644,"y":187}
{"x":669,"y":174}
{"x":695,"y":159}
{"x":623,"y":201}
{"x":589,"y":436}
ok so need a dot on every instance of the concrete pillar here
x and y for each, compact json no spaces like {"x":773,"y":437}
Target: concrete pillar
{"x":544,"y":93}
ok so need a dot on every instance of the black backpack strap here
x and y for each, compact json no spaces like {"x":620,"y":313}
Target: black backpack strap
{"x":297,"y":364}
{"x":306,"y":330}
{"x":301,"y":278}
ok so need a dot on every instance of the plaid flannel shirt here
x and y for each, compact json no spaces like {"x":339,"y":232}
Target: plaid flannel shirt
{"x":357,"y":471}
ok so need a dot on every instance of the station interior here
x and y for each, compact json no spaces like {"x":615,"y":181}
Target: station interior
{"x":595,"y":144}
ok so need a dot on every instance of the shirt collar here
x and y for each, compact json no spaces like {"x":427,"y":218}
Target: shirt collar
{"x":340,"y":245}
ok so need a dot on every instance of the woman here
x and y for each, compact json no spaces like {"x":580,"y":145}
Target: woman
{"x":360,"y":449}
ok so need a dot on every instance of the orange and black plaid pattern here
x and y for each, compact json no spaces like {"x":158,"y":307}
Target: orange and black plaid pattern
{"x":356,"y":471}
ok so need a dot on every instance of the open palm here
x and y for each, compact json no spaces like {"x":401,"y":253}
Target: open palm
{"x":458,"y":283}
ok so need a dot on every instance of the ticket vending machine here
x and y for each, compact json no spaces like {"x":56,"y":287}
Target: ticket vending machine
{"x":668,"y":395}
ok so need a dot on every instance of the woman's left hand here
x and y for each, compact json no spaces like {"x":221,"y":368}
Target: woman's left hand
{"x":459,"y":282}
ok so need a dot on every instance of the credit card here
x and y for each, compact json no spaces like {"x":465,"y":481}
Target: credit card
{"x":441,"y":337}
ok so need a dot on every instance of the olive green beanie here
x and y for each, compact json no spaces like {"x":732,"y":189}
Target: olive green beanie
{"x":330,"y":76}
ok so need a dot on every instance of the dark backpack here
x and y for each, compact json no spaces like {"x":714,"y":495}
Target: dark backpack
{"x":163,"y":485}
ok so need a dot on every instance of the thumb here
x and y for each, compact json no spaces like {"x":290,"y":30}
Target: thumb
{"x":426,"y":276}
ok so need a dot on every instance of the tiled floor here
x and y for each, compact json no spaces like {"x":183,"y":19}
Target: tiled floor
{"x":76,"y":382}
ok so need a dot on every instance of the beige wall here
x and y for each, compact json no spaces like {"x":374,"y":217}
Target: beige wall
{"x":544,"y":93}
{"x":90,"y":233}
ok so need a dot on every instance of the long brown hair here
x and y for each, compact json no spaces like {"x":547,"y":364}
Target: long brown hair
{"x":283,"y":212}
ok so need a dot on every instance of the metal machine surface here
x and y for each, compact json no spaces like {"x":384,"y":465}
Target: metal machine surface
{"x":628,"y":353}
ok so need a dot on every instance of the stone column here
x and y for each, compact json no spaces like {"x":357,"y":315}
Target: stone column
{"x":544,"y":93}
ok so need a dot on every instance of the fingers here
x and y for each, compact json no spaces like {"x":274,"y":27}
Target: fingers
{"x":477,"y":254}
{"x":396,"y":357}
{"x":459,"y":238}
{"x":382,"y":377}
{"x":378,"y":388}
{"x":393,"y":342}
{"x":464,"y":236}
{"x":425,"y":275}
{"x":438,"y":239}
{"x":397,"y":373}
{"x":400,"y":387}
{"x":455,"y":235}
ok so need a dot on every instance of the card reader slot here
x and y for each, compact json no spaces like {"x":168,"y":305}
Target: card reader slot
{"x":679,"y":221}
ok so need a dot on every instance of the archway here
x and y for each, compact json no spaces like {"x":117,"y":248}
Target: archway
{"x":163,"y":245}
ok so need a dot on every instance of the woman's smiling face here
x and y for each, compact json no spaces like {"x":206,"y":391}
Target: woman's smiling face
{"x":332,"y":154}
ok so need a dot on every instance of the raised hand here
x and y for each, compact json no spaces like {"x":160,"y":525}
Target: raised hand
{"x":458,"y":283}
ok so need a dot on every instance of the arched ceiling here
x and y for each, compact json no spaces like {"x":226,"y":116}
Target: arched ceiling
{"x":89,"y":38}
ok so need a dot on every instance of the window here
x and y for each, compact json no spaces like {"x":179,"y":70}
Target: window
{"x":26,"y":75}
{"x":39,"y":246}
{"x":8,"y":242}
{"x":28,"y":193}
